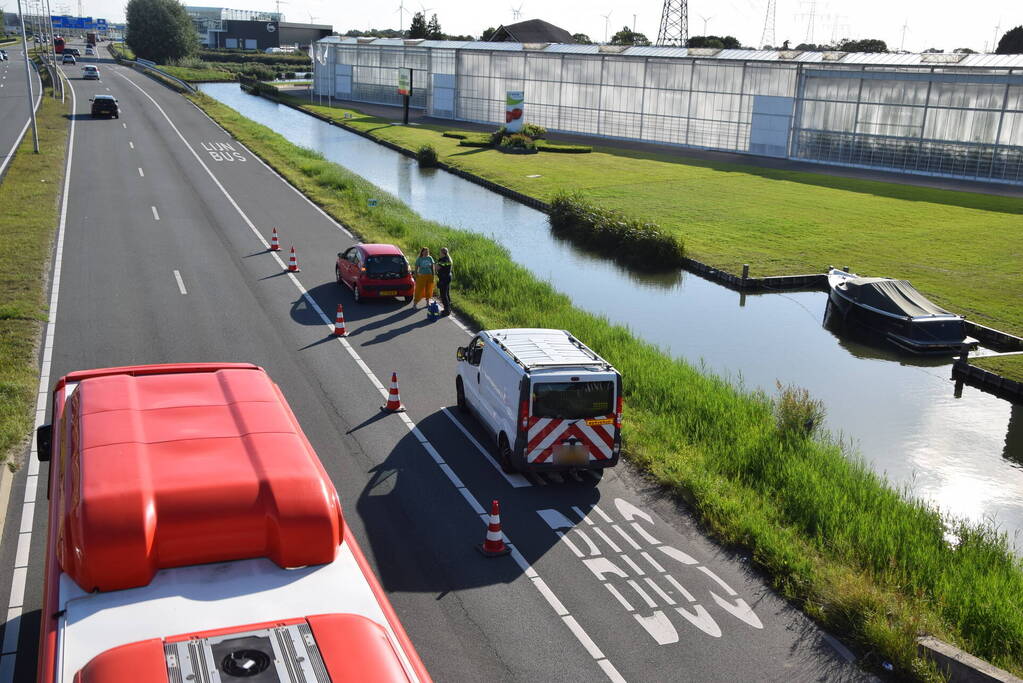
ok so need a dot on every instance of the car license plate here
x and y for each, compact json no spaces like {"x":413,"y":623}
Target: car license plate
{"x":571,"y":454}
{"x":389,"y":292}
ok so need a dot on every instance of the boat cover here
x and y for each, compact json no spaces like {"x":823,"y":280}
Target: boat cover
{"x":894,"y":296}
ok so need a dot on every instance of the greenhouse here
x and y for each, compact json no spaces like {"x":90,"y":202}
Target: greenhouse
{"x":953,"y":115}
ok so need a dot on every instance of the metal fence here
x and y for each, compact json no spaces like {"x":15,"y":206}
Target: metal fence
{"x":958,"y":115}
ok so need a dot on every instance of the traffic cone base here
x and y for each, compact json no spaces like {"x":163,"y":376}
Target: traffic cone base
{"x":339,"y":323}
{"x":275,"y":244}
{"x":493,"y":544}
{"x":393,"y":397}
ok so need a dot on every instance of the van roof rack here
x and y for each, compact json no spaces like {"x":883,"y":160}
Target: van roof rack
{"x":543,"y":348}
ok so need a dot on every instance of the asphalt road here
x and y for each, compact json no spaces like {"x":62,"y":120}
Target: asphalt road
{"x":13,"y":101}
{"x":165,"y":260}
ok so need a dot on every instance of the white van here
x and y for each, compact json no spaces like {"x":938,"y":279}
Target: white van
{"x":548,"y":400}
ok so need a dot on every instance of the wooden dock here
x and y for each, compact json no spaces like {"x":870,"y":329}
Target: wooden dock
{"x":986,"y":381}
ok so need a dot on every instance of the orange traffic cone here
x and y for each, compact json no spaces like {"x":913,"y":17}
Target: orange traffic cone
{"x":393,"y":397}
{"x":275,"y":244}
{"x":293,"y":261}
{"x":493,"y":545}
{"x":339,"y":323}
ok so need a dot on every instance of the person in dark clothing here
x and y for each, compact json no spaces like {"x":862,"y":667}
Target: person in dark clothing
{"x":444,"y":279}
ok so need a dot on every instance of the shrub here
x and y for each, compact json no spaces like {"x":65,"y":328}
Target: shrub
{"x":474,"y":143}
{"x":427,"y":156}
{"x":641,"y":245}
{"x":517,"y":141}
{"x":261,"y":72}
{"x":545,"y":146}
{"x":534,"y":131}
{"x":455,"y":134}
{"x":796,"y":413}
{"x":497,"y":136}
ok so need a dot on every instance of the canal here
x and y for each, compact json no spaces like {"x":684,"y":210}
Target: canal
{"x":899,"y":414}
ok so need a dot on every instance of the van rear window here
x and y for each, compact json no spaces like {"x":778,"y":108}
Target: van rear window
{"x":573,"y":400}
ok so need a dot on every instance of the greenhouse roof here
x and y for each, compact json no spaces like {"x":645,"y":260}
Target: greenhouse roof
{"x":936,"y":60}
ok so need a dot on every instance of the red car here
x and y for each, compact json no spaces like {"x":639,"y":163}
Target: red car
{"x":375,"y":270}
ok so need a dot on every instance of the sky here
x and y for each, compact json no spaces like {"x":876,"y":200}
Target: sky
{"x":914,"y":25}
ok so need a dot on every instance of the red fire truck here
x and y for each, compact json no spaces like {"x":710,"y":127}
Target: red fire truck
{"x":195,"y":536}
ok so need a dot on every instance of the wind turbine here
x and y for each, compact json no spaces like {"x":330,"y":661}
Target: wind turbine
{"x":517,"y":13}
{"x":705,"y":21}
{"x":607,"y":23}
{"x":401,"y":16}
{"x":312,"y":19}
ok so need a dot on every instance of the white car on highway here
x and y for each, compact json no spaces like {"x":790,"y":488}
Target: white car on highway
{"x":90,"y":72}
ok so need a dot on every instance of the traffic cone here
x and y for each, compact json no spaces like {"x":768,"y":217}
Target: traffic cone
{"x":393,"y":397}
{"x":493,"y":545}
{"x":293,"y":261}
{"x":275,"y":244}
{"x":339,"y":323}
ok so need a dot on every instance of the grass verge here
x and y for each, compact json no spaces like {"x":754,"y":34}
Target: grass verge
{"x":1009,"y":367}
{"x":961,"y":249}
{"x":29,"y":197}
{"x":862,"y":559}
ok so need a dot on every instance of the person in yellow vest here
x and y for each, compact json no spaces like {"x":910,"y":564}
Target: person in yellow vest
{"x":424,"y":277}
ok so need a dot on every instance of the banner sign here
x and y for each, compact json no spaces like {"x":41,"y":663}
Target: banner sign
{"x":513,"y":119}
{"x":405,"y":81}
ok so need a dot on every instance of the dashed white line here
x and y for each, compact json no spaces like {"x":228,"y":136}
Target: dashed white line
{"x":181,"y":283}
{"x":124,"y":125}
{"x":131,"y":144}
{"x":12,"y":628}
{"x":144,"y":175}
{"x":584,"y":639}
{"x":156,"y":215}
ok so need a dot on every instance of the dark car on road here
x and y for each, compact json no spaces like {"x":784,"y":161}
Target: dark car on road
{"x":3,"y":55}
{"x":105,"y":105}
{"x":375,"y":270}
{"x":73,"y":50}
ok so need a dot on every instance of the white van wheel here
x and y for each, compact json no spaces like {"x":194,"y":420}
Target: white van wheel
{"x":504,"y":455}
{"x":460,"y":394}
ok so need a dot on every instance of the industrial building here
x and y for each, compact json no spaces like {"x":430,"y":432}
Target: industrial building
{"x":957,"y":115}
{"x":220,"y":27}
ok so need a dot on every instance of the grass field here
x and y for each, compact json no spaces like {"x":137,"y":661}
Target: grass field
{"x":963,"y":250}
{"x":833,"y":537}
{"x":28,"y":218}
{"x":1010,"y":367}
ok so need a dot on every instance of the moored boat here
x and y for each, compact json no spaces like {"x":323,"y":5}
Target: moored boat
{"x":895,"y":310}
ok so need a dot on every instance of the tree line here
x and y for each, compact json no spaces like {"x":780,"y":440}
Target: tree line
{"x":161,"y":30}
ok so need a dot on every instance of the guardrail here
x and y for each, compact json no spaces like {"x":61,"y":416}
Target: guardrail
{"x":147,"y":65}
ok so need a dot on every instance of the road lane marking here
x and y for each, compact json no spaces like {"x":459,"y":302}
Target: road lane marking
{"x":17,"y":141}
{"x":124,"y":125}
{"x":12,"y":627}
{"x":156,"y":216}
{"x":144,"y":175}
{"x":181,"y":283}
{"x":584,"y":639}
{"x":131,"y":144}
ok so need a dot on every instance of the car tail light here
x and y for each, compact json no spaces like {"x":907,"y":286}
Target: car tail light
{"x":524,"y":415}
{"x":618,"y":412}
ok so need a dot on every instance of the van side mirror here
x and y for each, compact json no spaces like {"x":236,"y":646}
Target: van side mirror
{"x":339,"y":254}
{"x":44,"y":442}
{"x":460,"y":353}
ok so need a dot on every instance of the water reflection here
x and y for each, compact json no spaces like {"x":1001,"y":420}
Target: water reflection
{"x":899,"y":412}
